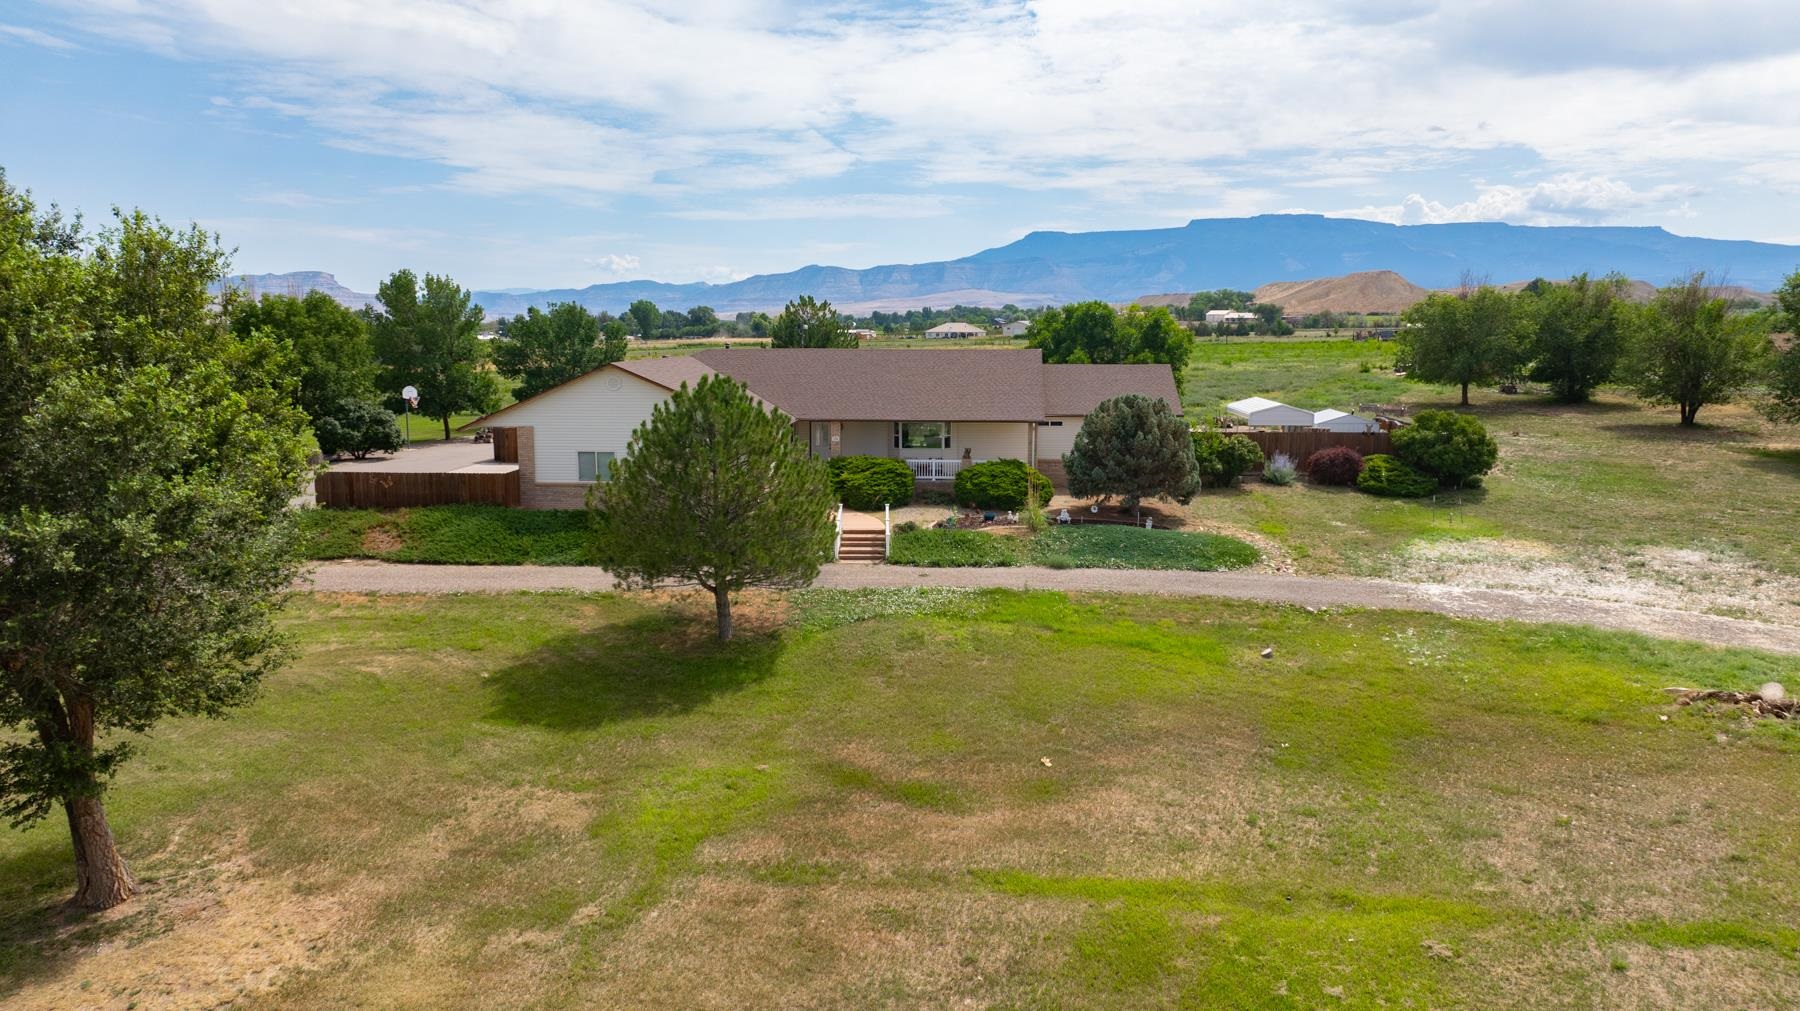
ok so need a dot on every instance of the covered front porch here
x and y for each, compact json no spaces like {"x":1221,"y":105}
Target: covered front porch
{"x":933,"y":450}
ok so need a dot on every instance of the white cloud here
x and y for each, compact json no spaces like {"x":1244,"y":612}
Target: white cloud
{"x":1098,"y":99}
{"x":613,"y":265}
{"x":31,"y":36}
{"x":846,"y":207}
{"x":1563,"y":200}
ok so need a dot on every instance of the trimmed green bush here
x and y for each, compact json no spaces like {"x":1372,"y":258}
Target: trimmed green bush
{"x":1450,"y":447}
{"x":955,"y":549}
{"x":1334,"y":465}
{"x":1224,"y":458}
{"x":1387,"y":476}
{"x":1000,"y":484}
{"x":357,"y":427}
{"x":1083,"y":547}
{"x":1118,"y":547}
{"x":870,"y":482}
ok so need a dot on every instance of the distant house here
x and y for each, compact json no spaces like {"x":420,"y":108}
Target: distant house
{"x":863,"y":335}
{"x":1015,"y":328}
{"x":1229,"y":317}
{"x":936,"y":410}
{"x":955,"y":330}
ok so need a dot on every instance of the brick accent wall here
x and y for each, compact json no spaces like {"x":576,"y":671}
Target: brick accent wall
{"x":533,"y":495}
{"x":1059,"y":477}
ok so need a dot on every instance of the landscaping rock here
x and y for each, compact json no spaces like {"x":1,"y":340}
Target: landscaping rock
{"x":1772,"y":692}
{"x":1268,"y":652}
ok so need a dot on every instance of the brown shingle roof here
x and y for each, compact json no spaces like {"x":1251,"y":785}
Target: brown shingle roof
{"x":832,"y":384}
{"x":1070,"y":390}
{"x":853,"y":384}
{"x":668,"y":372}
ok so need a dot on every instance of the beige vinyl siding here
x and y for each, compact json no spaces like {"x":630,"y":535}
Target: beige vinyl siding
{"x":985,"y":440}
{"x":595,"y":413}
{"x":868,"y":438}
{"x":1054,"y":441}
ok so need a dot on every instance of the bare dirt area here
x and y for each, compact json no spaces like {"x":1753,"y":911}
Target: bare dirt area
{"x":1681,"y":579}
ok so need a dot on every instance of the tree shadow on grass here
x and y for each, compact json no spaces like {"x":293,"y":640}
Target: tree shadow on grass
{"x":1785,"y":462}
{"x":659,"y":664}
{"x":1671,"y":431}
{"x":1544,"y":407}
{"x":39,"y":931}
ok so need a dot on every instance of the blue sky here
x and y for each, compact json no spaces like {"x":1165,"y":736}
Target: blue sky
{"x":529,"y":143}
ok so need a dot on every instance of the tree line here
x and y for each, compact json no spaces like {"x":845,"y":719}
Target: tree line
{"x":1689,"y":346}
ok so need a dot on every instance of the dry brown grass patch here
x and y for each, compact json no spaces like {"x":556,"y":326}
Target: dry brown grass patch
{"x":199,"y":944}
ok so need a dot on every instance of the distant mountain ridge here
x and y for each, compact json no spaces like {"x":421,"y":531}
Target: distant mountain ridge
{"x":297,"y":283}
{"x":1117,"y":266}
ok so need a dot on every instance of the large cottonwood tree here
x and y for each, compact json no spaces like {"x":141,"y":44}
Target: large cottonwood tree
{"x":150,"y":455}
{"x":1689,"y":349}
{"x":545,"y":348}
{"x":1470,"y":338}
{"x":427,"y":335}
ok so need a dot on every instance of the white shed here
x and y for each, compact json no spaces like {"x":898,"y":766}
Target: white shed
{"x":955,"y":330}
{"x":1344,"y":421}
{"x":1259,"y":412}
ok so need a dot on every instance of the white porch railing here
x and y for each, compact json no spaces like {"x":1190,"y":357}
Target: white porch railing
{"x":887,"y":530}
{"x":837,"y":546}
{"x":934,"y":469}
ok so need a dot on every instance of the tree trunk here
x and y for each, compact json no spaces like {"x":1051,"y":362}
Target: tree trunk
{"x":446,"y":428}
{"x":722,"y":601}
{"x":1688,"y":413}
{"x":102,"y":880}
{"x":1465,"y":401}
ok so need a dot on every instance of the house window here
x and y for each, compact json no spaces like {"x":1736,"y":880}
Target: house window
{"x":921,"y":435}
{"x":1049,"y":424}
{"x":593,"y":466}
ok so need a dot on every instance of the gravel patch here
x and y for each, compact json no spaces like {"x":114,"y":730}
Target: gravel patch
{"x":1263,"y":587}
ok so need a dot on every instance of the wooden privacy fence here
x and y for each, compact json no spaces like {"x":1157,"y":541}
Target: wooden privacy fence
{"x":374,"y":489}
{"x":1304,"y":442}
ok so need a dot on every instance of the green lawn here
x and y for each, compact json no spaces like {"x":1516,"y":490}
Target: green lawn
{"x":1077,"y":547}
{"x":422,"y":429}
{"x":449,"y":535}
{"x":905,"y":799}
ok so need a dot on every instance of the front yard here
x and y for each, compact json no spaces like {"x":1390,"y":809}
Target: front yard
{"x":939,"y":798}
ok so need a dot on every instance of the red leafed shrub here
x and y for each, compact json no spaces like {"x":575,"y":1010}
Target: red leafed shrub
{"x":1334,"y":465}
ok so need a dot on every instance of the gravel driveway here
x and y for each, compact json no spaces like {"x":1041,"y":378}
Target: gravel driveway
{"x":1307,"y":591}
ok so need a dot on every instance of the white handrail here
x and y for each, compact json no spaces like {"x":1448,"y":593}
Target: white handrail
{"x":837,"y":548}
{"x":887,"y":530}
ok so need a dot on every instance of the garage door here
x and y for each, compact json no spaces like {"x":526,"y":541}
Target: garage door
{"x":1057,"y":437}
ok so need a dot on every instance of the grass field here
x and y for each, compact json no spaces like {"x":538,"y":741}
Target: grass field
{"x":910,"y":799}
{"x":1305,"y":371}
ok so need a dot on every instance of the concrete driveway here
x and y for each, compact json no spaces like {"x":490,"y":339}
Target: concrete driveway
{"x":429,"y":458}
